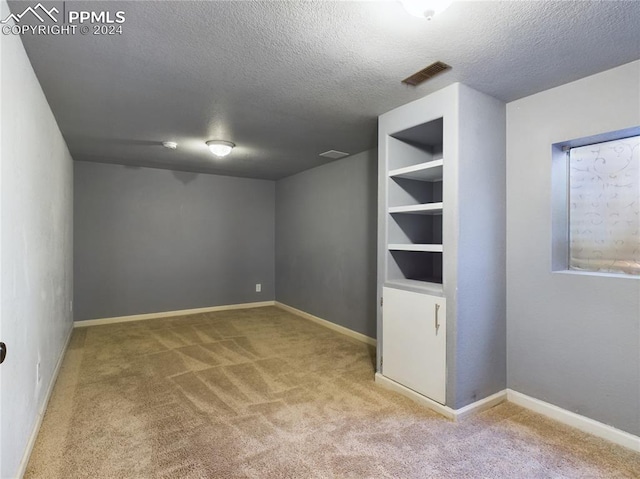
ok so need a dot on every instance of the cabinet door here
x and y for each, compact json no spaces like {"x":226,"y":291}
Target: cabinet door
{"x":414,"y":341}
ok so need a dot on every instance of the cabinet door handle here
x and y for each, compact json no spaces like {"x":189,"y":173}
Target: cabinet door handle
{"x":437,"y":322}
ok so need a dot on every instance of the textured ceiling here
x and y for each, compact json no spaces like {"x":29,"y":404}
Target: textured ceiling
{"x":286,"y":81}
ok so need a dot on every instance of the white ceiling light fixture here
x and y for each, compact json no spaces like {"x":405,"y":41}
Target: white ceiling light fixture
{"x":220,"y":148}
{"x":425,"y":8}
{"x":172,"y":145}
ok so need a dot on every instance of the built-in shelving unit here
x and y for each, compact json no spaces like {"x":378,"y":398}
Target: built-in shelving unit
{"x":415,"y":204}
{"x":441,"y":254}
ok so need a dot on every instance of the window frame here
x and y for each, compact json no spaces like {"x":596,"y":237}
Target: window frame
{"x":560,"y":241}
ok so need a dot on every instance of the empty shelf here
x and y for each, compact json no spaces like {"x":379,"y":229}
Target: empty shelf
{"x":424,"y":209}
{"x":429,"y":171}
{"x":429,"y":248}
{"x":431,"y":286}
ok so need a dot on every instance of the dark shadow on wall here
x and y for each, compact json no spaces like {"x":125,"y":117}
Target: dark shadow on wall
{"x":184,"y":176}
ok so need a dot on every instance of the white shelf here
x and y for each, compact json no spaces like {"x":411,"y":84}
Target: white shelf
{"x":429,"y":171}
{"x":429,"y":248}
{"x":416,"y":286}
{"x":424,"y":209}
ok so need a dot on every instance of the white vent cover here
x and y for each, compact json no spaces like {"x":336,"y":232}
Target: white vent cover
{"x":334,"y":154}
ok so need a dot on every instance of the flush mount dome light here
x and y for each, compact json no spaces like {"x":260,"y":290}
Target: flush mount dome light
{"x":425,"y":8}
{"x":220,"y":148}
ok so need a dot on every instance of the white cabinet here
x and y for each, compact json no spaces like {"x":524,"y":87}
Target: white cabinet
{"x":415,"y":342}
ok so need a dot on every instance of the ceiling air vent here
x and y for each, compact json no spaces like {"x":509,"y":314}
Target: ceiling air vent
{"x":334,"y":154}
{"x":426,"y":73}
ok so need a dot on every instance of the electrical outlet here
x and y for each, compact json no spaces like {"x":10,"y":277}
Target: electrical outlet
{"x":258,"y":287}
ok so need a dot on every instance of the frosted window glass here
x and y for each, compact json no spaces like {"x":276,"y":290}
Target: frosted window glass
{"x":604,"y":207}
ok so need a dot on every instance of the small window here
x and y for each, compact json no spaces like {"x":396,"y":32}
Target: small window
{"x":604,"y":206}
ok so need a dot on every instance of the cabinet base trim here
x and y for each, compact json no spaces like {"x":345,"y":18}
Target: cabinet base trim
{"x":327,"y":324}
{"x":583,"y":423}
{"x":169,"y":314}
{"x":446,"y":411}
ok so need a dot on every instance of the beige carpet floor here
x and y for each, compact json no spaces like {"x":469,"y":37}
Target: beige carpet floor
{"x":264,"y":394}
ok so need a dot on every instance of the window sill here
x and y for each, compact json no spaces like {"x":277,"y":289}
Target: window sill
{"x":572,"y":272}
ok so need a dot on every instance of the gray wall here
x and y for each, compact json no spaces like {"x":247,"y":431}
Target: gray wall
{"x":36,"y":251}
{"x":572,"y":339}
{"x":326,"y":242}
{"x":149,"y":240}
{"x":480,"y":296}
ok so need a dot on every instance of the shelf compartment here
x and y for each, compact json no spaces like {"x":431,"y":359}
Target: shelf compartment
{"x":410,"y":267}
{"x":425,"y":248}
{"x":423,"y":209}
{"x":408,"y":192}
{"x":415,"y":229}
{"x":429,"y":171}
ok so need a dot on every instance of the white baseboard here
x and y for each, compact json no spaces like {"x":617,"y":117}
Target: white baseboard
{"x":327,"y":324}
{"x":446,"y":411}
{"x":169,"y":314}
{"x":481,"y":405}
{"x":572,"y":419}
{"x":36,"y":427}
{"x":414,"y":396}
